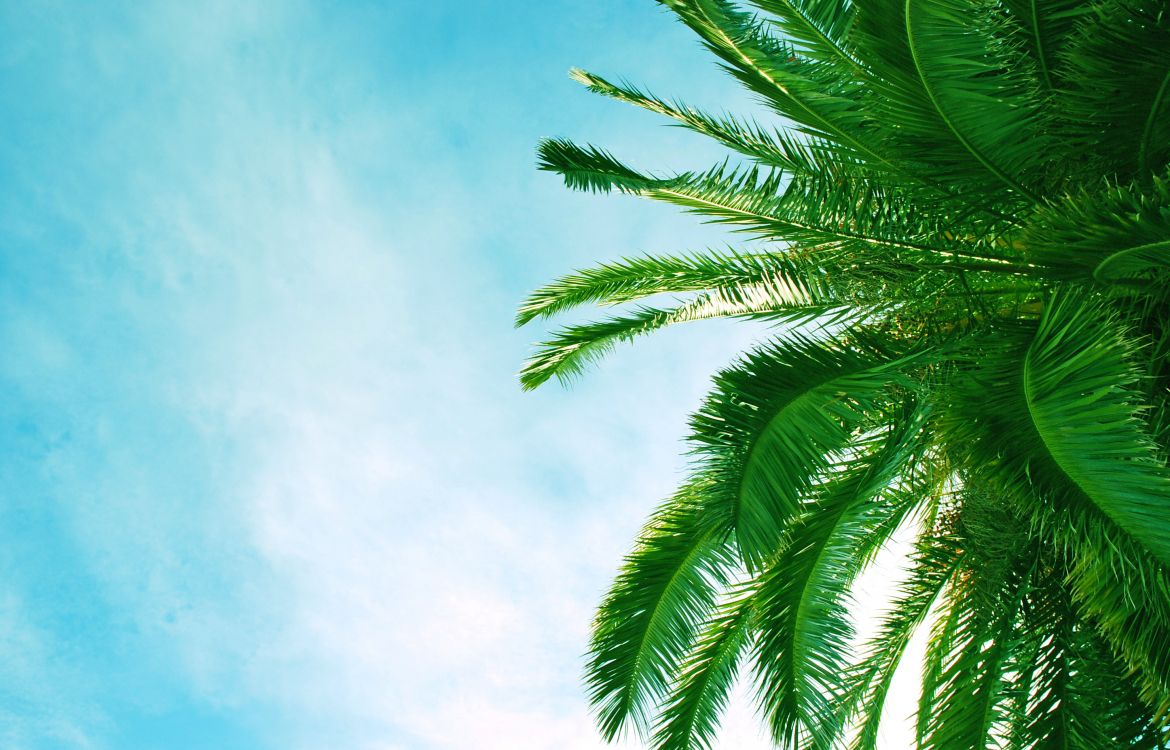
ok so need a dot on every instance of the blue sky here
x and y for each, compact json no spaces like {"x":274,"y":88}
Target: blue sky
{"x":267,"y":477}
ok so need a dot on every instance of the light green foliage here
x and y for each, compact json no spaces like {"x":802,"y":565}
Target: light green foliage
{"x":960,"y":223}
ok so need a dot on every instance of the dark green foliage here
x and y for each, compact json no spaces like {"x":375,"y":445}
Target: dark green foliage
{"x":961,"y":228}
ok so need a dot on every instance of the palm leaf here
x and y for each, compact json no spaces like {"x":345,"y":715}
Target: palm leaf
{"x":634,"y":278}
{"x":648,"y":620}
{"x":771,"y":149}
{"x":766,"y":432}
{"x":573,"y":348}
{"x":803,"y":622}
{"x":815,"y":213}
{"x":691,"y":715}
{"x":1120,"y":589}
{"x":1116,"y":112}
{"x":1044,"y":29}
{"x":819,"y":30}
{"x":967,"y":707}
{"x":1076,"y":381}
{"x":810,"y":97}
{"x":1064,"y":394}
{"x":968,"y":78}
{"x":1113,"y":234}
{"x":932,"y":568}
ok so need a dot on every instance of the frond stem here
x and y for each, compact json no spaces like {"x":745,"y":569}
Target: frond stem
{"x":840,"y":234}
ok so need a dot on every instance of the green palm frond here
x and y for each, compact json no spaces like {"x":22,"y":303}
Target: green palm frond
{"x":1065,"y":394}
{"x":1076,"y":694}
{"x":804,"y":628}
{"x":978,"y":88}
{"x":1116,"y":112}
{"x":1120,"y":591}
{"x":933,"y":567}
{"x":1108,"y":234}
{"x":819,"y":31}
{"x":632,"y":279}
{"x":771,"y":424}
{"x":768,"y":148}
{"x":968,"y":704}
{"x":1043,"y":30}
{"x":810,"y":96}
{"x":1077,"y":383}
{"x":953,"y":96}
{"x":666,"y":589}
{"x":572,"y":349}
{"x":691,"y":715}
{"x":811,"y":212}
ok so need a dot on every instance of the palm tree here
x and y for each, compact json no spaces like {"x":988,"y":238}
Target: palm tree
{"x":961,"y":239}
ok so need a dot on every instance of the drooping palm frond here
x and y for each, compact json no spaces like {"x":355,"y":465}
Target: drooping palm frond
{"x":1119,"y":591}
{"x":768,"y":148}
{"x":803,"y":621}
{"x":1109,"y":234}
{"x":647,"y":623}
{"x":1074,"y":694}
{"x":935,"y":563}
{"x":1076,"y":383}
{"x":691,"y":715}
{"x":809,"y":211}
{"x":574,"y":347}
{"x":635,"y":278}
{"x":966,"y":705}
{"x":1043,"y":29}
{"x":1116,"y":110}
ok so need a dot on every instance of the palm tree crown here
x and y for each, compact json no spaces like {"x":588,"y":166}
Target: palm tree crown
{"x":963,"y":244}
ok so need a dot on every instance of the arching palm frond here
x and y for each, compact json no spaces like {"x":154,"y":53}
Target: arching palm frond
{"x":1043,"y":28}
{"x":968,"y":697}
{"x":1075,"y":694}
{"x":768,"y":148}
{"x":1116,"y":113}
{"x":1108,"y":234}
{"x":935,"y":563}
{"x":635,"y":278}
{"x":811,"y":212}
{"x":1076,"y":383}
{"x":566,"y":355}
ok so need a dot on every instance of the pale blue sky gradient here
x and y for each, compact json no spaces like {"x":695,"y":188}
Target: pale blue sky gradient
{"x":267,"y":477}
